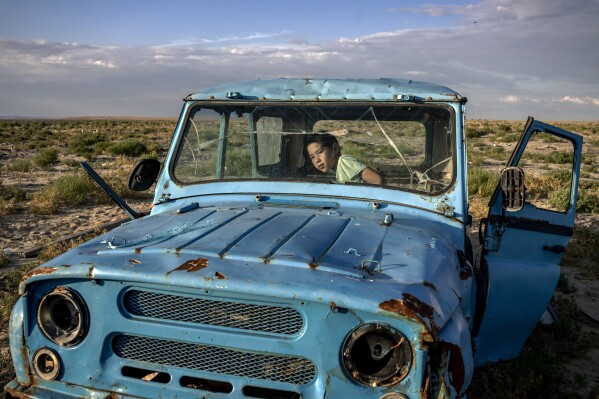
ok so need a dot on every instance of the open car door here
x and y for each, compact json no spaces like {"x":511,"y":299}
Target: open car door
{"x":524,"y":238}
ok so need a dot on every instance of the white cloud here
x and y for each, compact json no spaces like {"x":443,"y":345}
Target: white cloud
{"x":415,"y":73}
{"x":493,"y":10}
{"x":580,"y":101}
{"x":509,"y":99}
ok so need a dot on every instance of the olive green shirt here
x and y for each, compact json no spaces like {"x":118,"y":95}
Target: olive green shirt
{"x":349,"y":169}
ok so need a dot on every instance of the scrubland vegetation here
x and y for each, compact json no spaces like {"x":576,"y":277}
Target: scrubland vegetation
{"x":40,"y":174}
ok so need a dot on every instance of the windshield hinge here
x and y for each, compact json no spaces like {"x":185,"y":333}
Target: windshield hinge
{"x":446,"y":209}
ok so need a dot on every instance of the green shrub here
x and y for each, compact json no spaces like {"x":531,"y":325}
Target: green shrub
{"x":9,"y":199}
{"x":472,"y":133}
{"x":46,"y":157}
{"x":4,"y":258}
{"x":510,"y":138}
{"x":83,"y":144}
{"x":559,"y":199}
{"x":130,"y":148}
{"x":9,"y":289}
{"x":482,"y":182}
{"x":587,"y":201}
{"x":10,"y":192}
{"x":19,"y":165}
{"x":238,"y":163}
{"x":68,"y":191}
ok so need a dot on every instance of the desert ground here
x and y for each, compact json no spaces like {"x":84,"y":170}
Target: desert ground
{"x":45,"y":198}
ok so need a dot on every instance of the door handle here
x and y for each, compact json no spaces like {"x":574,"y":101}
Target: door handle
{"x":558,"y":249}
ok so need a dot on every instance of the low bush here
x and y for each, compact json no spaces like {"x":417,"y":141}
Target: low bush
{"x":10,"y":197}
{"x":482,"y":182}
{"x":68,"y":191}
{"x":130,"y":148}
{"x":10,"y":192}
{"x":587,"y":202}
{"x":46,"y":157}
{"x":4,"y":258}
{"x":83,"y":144}
{"x":19,"y":165}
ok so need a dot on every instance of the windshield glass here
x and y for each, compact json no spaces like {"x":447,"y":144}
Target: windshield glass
{"x":401,"y":147}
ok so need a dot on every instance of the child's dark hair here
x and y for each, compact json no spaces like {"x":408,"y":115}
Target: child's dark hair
{"x":325,"y":139}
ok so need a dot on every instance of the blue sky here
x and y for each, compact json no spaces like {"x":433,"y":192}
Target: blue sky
{"x":511,"y":58}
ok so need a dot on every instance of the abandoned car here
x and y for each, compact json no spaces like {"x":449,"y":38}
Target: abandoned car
{"x":309,"y":238}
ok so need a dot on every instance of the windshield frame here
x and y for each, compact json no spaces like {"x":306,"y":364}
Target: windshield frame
{"x":191,"y":106}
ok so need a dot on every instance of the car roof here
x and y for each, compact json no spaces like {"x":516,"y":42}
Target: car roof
{"x":320,"y":89}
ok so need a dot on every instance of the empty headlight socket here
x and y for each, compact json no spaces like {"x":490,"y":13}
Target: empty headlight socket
{"x":63,"y":317}
{"x":376,"y":354}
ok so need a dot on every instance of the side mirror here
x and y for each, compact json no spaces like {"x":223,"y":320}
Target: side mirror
{"x":512,"y":186}
{"x":144,"y":174}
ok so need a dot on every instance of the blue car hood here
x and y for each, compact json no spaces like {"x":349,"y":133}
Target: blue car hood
{"x":405,"y":269}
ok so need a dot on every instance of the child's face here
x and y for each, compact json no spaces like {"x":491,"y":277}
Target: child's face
{"x":324,"y":158}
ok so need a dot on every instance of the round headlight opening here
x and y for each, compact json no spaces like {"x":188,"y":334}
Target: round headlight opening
{"x":62,"y":316}
{"x":46,"y":364}
{"x":376,"y":355}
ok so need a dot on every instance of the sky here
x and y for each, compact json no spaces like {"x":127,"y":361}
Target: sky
{"x":510,"y":58}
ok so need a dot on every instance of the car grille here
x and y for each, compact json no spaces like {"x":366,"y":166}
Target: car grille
{"x":215,"y":359}
{"x":263,"y":318}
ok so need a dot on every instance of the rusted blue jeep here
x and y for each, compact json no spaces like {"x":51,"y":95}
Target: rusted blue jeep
{"x":263,"y":271}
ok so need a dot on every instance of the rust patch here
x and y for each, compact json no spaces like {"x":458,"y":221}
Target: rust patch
{"x":90,"y":272}
{"x":192,"y":265}
{"x":38,"y":271}
{"x":446,"y":360}
{"x":466,"y":273}
{"x":220,"y":276}
{"x":25,"y":355}
{"x":313,"y":264}
{"x":425,"y":390}
{"x":267,"y":261}
{"x":137,"y":250}
{"x":455,"y":367}
{"x":413,"y":308}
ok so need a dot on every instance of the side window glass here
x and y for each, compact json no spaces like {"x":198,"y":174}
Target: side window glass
{"x":547,"y":163}
{"x":269,"y":130}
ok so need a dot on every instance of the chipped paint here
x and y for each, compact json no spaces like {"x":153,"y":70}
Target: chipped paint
{"x":37,"y":272}
{"x":446,"y":362}
{"x":192,"y":265}
{"x":220,"y":276}
{"x":413,"y":308}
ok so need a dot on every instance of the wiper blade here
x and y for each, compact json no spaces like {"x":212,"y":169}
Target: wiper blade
{"x":111,"y":193}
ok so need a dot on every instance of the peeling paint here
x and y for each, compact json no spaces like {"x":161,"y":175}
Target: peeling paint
{"x":413,"y":308}
{"x":445,"y":359}
{"x":220,"y":276}
{"x":192,"y":265}
{"x":38,"y":271}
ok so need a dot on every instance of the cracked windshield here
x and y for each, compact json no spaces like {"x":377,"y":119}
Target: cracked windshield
{"x":402,"y":147}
